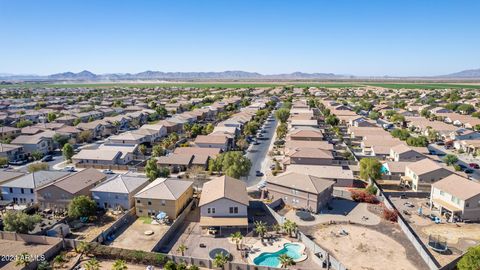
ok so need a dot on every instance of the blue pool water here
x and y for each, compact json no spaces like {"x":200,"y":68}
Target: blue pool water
{"x":271,"y":259}
{"x":384,"y":169}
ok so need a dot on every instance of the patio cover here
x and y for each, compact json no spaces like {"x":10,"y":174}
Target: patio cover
{"x":449,"y":207}
{"x":223,"y":221}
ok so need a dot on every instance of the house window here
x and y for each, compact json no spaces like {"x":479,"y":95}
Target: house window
{"x":442,"y":192}
{"x":234,"y":210}
{"x":467,"y":204}
{"x":149,"y":203}
{"x":10,"y":190}
{"x":163,"y":202}
{"x":211,"y":210}
{"x":22,"y":191}
{"x":31,"y":190}
{"x":138,"y":201}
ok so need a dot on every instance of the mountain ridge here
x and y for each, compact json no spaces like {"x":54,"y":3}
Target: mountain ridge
{"x":86,"y":75}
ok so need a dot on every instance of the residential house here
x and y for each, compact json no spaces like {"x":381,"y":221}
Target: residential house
{"x":402,"y":152}
{"x":35,"y":143}
{"x":170,"y":196}
{"x":457,"y":197}
{"x":422,"y":174}
{"x":176,"y":162}
{"x":213,"y":141}
{"x":117,"y":193}
{"x":300,"y":191}
{"x":58,"y":195}
{"x":223,"y":203}
{"x":21,"y":190}
{"x":11,"y":151}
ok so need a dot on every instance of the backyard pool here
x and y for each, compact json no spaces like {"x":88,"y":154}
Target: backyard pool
{"x":295,"y":251}
{"x":384,"y":169}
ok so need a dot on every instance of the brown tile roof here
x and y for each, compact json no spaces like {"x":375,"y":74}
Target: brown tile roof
{"x":80,"y":180}
{"x":458,"y":186}
{"x":303,"y":182}
{"x":224,"y":187}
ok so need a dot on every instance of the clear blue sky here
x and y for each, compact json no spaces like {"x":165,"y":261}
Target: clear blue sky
{"x":347,"y":37}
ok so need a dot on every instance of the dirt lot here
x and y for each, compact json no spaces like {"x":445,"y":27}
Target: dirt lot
{"x":92,"y":230}
{"x":363,"y":248}
{"x":459,"y":236}
{"x":134,"y":238}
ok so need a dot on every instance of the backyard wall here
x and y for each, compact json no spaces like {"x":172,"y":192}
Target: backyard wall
{"x":321,"y":256}
{"x":174,"y":226}
{"x":127,"y":218}
{"x":424,"y":252}
{"x":56,"y":243}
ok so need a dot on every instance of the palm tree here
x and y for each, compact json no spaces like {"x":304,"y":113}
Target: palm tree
{"x":119,"y":265}
{"x":277,"y":228}
{"x":22,"y":260}
{"x":182,"y":249}
{"x":260,"y":228}
{"x":44,"y":265}
{"x":220,"y":260}
{"x":83,"y":248}
{"x":289,"y":227}
{"x":59,"y":260}
{"x":92,"y":264}
{"x":237,"y":237}
{"x":285,"y":260}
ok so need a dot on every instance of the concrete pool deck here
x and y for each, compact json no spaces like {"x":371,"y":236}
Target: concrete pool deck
{"x":259,"y":248}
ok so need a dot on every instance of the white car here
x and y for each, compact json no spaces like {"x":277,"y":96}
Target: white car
{"x":69,"y":169}
{"x":107,"y":171}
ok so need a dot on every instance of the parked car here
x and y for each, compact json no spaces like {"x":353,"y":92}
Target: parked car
{"x":474,"y":166}
{"x":261,"y":185}
{"x":256,"y":143}
{"x":463,"y":167}
{"x":69,"y":169}
{"x":47,"y":158}
{"x":107,"y":171}
{"x":468,"y":171}
{"x":17,"y":162}
{"x":440,"y":143}
{"x":258,"y":173}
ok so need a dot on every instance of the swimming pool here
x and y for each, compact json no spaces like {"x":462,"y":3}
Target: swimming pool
{"x":271,"y":258}
{"x":384,"y":169}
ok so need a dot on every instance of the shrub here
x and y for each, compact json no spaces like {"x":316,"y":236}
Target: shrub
{"x":371,"y":189}
{"x":363,"y":196}
{"x":390,"y":215}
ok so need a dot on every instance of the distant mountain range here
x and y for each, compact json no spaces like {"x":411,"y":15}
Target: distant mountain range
{"x":225,"y":75}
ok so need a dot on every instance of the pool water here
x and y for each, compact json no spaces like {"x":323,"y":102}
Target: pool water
{"x":271,"y":259}
{"x":384,"y":169}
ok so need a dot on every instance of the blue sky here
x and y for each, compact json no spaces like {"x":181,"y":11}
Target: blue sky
{"x":347,"y":37}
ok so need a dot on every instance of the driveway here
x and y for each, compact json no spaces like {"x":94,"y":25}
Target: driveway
{"x":258,"y":154}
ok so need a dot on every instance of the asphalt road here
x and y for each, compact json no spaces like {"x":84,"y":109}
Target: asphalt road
{"x":57,"y":158}
{"x":258,"y":154}
{"x":463,"y":159}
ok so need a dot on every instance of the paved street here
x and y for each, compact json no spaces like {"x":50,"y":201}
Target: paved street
{"x":258,"y":154}
{"x":463,"y":159}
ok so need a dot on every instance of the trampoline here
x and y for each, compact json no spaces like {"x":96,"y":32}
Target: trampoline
{"x":304,"y":215}
{"x":216,"y":251}
{"x":437,"y":243}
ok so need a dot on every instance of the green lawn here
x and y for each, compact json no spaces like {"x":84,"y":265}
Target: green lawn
{"x":423,"y":85}
{"x":248,"y":85}
{"x":146,"y":220}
